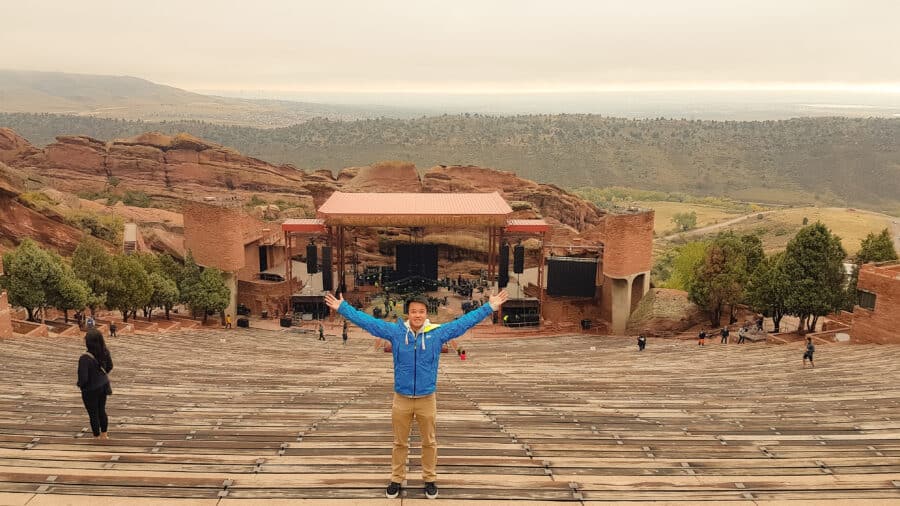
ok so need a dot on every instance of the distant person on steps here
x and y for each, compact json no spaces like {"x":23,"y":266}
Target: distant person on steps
{"x":808,"y":354}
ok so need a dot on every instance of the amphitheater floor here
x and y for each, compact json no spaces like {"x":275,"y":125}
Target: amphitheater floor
{"x":248,"y":416}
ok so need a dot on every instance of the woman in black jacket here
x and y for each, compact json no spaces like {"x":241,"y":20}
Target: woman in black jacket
{"x":93,"y":367}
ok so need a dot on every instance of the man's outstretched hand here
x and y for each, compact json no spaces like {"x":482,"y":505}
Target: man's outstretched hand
{"x":332,"y":302}
{"x":497,"y":300}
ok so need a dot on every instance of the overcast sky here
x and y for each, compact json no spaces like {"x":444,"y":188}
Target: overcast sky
{"x":461,"y":45}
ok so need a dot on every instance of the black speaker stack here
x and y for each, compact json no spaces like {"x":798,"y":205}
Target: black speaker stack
{"x":571,"y":277}
{"x":519,"y":259}
{"x":503,"y":266}
{"x":312,"y":259}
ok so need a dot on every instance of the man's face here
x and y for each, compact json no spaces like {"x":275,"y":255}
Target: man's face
{"x":417,"y":314}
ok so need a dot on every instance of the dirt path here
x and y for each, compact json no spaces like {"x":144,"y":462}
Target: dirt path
{"x":715,"y":226}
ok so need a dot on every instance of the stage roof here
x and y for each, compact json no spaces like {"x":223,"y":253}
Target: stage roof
{"x":415,"y":209}
{"x":527,"y":226}
{"x":313,"y":226}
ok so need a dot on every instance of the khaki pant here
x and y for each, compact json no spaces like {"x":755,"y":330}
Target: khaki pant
{"x":424,"y":410}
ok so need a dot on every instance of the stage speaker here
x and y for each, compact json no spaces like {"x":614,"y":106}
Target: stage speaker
{"x":243,"y":322}
{"x":571,"y":277}
{"x":503,"y":267}
{"x":327,"y":281}
{"x":519,"y":259}
{"x":312,"y":259}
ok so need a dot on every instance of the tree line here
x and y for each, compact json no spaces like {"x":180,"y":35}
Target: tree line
{"x":37,"y":279}
{"x":806,"y":280}
{"x":850,"y":160}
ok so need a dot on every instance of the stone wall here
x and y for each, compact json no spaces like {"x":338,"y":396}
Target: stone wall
{"x":881,"y":325}
{"x":214,"y":236}
{"x":627,"y":244}
{"x":5,"y":317}
{"x":30,"y":329}
{"x":572,"y":310}
{"x":263,"y":296}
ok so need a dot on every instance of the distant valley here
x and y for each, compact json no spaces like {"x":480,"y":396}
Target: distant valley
{"x":851,"y":161}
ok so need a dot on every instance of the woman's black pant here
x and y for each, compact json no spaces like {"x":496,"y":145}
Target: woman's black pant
{"x":95,"y":404}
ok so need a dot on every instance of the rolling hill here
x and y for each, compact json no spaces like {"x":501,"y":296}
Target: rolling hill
{"x":133,"y":98}
{"x":845,"y":162}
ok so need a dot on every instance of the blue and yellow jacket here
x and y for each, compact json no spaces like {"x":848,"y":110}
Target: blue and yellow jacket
{"x":416,"y":355}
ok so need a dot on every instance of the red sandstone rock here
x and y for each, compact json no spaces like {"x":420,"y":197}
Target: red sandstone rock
{"x":550,"y":200}
{"x":664,"y":312}
{"x":14,"y":146}
{"x":389,"y":177}
{"x":18,"y":221}
{"x":183,"y":167}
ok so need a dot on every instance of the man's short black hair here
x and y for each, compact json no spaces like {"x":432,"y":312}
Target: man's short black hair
{"x":418,"y":298}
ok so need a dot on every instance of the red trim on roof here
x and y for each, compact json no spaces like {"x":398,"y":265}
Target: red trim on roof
{"x":527,"y":226}
{"x":308,"y":226}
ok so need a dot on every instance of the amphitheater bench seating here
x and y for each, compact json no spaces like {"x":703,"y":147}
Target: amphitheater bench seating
{"x":220,"y":415}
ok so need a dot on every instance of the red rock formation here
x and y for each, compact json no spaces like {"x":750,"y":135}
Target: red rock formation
{"x":13,"y":146}
{"x":389,"y":177}
{"x":184,"y":167}
{"x":162,"y":166}
{"x":18,"y":221}
{"x":548,"y":200}
{"x":664,"y":312}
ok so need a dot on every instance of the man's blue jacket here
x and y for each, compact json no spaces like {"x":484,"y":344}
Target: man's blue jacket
{"x":416,"y":355}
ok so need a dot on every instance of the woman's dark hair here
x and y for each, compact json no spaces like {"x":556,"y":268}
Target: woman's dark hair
{"x":96,"y":346}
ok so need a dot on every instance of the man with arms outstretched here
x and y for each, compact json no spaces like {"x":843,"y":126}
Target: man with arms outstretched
{"x":416,"y":346}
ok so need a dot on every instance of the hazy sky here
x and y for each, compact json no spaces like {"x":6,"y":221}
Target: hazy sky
{"x":461,"y":45}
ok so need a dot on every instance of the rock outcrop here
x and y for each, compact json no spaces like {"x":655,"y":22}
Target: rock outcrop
{"x":170,"y":169}
{"x":548,"y":201}
{"x":13,"y":146}
{"x":18,"y":221}
{"x":163,"y":166}
{"x":664,"y":312}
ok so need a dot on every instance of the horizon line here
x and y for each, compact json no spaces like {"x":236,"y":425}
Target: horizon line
{"x":723,"y":86}
{"x":523,"y":88}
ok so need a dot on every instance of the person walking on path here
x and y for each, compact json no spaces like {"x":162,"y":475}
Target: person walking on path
{"x":228,"y":321}
{"x":742,"y":335}
{"x":725,"y":335}
{"x":416,"y":347}
{"x":808,"y":354}
{"x":112,"y":329}
{"x":93,"y":379}
{"x":642,"y":342}
{"x":321,"y":331}
{"x":701,"y":338}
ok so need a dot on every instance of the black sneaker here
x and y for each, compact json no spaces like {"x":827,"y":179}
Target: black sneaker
{"x":430,"y":490}
{"x":393,"y":490}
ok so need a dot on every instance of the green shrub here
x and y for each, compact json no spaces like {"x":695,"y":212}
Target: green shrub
{"x":37,"y":200}
{"x":137,"y":199}
{"x":107,"y":227}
